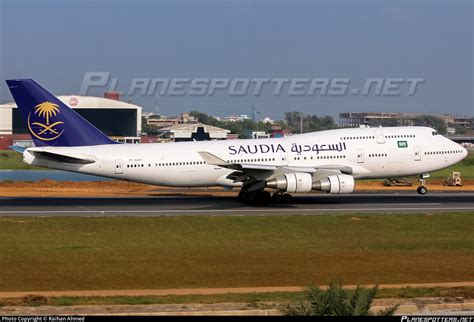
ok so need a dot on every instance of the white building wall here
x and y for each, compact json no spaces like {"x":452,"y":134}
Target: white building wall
{"x":6,"y":120}
{"x":74,"y":101}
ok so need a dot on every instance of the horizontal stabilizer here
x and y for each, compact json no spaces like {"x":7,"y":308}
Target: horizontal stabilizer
{"x":63,"y":158}
{"x":16,"y":148}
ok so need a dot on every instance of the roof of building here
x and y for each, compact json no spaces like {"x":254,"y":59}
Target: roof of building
{"x":193,"y":128}
{"x":186,"y":131}
{"x":76,"y":101}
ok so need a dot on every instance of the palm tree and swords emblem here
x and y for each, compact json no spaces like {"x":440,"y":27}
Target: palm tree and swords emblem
{"x":46,"y":132}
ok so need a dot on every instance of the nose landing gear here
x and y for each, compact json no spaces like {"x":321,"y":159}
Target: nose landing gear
{"x":422,"y":190}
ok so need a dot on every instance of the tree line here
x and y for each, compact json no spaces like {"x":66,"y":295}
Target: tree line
{"x":296,"y":122}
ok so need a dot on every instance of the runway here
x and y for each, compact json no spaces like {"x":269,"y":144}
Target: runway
{"x":384,"y":203}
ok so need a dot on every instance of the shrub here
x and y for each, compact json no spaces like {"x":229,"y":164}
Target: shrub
{"x":335,"y":301}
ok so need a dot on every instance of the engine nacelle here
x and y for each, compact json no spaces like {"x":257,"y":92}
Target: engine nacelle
{"x":292,"y":182}
{"x":339,"y":183}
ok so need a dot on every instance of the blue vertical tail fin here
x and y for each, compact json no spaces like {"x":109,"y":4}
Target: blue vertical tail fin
{"x":50,"y":121}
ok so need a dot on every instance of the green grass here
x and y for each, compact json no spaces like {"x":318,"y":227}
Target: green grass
{"x":77,"y":253}
{"x":466,"y":167}
{"x":257,"y":299}
{"x":12,"y":160}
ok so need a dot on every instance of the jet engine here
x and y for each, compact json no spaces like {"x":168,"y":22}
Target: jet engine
{"x":292,"y":182}
{"x":339,"y":183}
{"x":303,"y":182}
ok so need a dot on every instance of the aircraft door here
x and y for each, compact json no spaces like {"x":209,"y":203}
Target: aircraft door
{"x":417,"y":153}
{"x":360,"y":156}
{"x":118,"y":166}
{"x":379,"y":137}
{"x":283,"y":158}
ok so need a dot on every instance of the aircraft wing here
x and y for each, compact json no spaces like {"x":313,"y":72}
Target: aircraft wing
{"x":214,"y":160}
{"x":255,"y":172}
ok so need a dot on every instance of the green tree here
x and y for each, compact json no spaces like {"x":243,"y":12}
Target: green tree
{"x":461,"y":130}
{"x":201,"y":117}
{"x":335,"y":301}
{"x":148,"y":129}
{"x":431,"y":121}
{"x":311,"y":123}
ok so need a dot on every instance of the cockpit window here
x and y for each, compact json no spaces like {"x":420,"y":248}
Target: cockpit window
{"x":434,"y":133}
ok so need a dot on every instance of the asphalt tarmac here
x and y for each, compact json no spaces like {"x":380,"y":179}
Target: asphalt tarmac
{"x":308,"y":204}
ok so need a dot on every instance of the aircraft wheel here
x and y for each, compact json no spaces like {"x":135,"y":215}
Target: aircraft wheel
{"x":422,"y":190}
{"x":241,"y":196}
{"x":262,"y":198}
{"x":286,"y":198}
{"x":250,"y":197}
{"x":265,"y":196}
{"x":276,"y":197}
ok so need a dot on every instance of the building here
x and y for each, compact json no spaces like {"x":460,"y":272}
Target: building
{"x":236,"y":118}
{"x":232,"y":136}
{"x":251,"y":134}
{"x":359,"y":119}
{"x":119,"y":120}
{"x":457,"y":121}
{"x":278,"y":132}
{"x":232,"y":118}
{"x":192,"y":132}
{"x":375,"y":119}
{"x":163,"y":121}
{"x":268,"y":120}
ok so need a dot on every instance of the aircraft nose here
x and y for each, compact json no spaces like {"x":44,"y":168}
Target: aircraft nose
{"x":464,"y":151}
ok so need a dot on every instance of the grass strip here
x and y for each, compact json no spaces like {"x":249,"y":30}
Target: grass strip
{"x":110,"y":253}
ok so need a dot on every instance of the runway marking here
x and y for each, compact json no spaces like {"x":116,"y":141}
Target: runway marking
{"x":227,"y":210}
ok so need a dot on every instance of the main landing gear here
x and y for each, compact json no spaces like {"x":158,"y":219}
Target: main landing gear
{"x":263,"y":197}
{"x":279,"y":197}
{"x":422,"y":190}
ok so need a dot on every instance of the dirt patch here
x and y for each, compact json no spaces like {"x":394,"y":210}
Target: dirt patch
{"x":435,"y":184}
{"x":51,"y":188}
{"x":208,"y":291}
{"x":27,"y":300}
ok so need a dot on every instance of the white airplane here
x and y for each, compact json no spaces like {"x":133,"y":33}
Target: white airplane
{"x":321,"y":161}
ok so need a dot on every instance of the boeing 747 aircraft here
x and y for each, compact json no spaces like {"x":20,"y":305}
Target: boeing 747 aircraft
{"x":321,"y":161}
